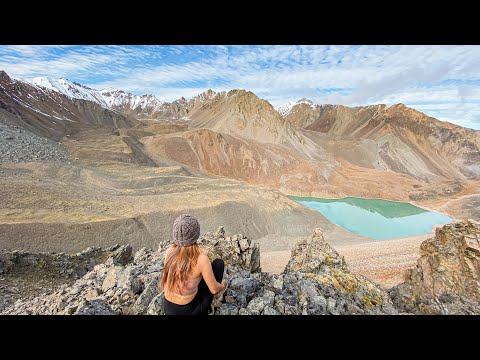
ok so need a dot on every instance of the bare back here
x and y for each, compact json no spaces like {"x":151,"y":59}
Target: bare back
{"x":189,"y":289}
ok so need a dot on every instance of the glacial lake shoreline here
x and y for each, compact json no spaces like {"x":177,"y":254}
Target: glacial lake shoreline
{"x":378,"y":219}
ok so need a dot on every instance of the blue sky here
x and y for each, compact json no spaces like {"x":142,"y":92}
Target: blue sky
{"x":442,"y":81}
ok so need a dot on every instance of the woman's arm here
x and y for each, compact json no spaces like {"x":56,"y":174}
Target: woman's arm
{"x":207,"y":273}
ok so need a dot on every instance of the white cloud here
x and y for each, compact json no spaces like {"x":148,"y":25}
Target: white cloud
{"x":442,"y":80}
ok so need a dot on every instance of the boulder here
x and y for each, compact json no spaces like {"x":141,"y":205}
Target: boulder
{"x":446,"y":279}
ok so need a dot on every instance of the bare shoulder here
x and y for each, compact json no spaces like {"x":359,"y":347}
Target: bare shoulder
{"x":203,"y":259}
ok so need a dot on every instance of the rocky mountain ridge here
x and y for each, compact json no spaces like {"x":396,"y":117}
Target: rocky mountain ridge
{"x":315,"y":281}
{"x":143,"y":107}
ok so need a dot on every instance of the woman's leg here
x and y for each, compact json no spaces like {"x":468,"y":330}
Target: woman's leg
{"x":204,"y":294}
{"x":218,"y":267}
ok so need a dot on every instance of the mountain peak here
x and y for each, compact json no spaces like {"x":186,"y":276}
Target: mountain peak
{"x":107,"y":98}
{"x":4,"y":76}
{"x":206,"y":95}
{"x":305,"y":101}
{"x":111,"y":90}
{"x":286,"y":108}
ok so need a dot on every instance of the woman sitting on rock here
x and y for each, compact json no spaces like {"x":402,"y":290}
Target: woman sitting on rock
{"x":189,"y":279}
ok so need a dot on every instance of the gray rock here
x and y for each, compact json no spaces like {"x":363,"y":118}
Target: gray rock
{"x":122,"y":255}
{"x":256,"y":306}
{"x":317,"y":282}
{"x":220,"y":233}
{"x":244,"y":244}
{"x":20,"y":145}
{"x":95,"y":307}
{"x":244,"y":285}
{"x":111,"y":279}
{"x":129,"y":280}
{"x":227,"y":309}
{"x":146,"y":297}
{"x":243,"y":311}
{"x":156,"y":305}
{"x":331,"y":303}
{"x":92,"y":294}
{"x":270,"y":311}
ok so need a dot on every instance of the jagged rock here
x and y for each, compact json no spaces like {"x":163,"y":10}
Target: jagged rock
{"x":146,"y":297}
{"x":156,"y":305}
{"x":315,"y":281}
{"x":270,"y":311}
{"x":95,"y":307}
{"x":446,"y":279}
{"x":227,"y":309}
{"x":315,"y":256}
{"x":111,"y":279}
{"x":55,"y":265}
{"x":122,"y":255}
{"x":317,"y":234}
{"x":236,"y":251}
{"x":256,"y":306}
{"x":131,"y":281}
{"x":92,"y":294}
{"x":220,"y":233}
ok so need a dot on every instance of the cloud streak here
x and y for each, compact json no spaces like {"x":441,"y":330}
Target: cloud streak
{"x":442,"y":81}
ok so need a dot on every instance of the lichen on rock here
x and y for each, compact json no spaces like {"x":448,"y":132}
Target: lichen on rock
{"x":446,"y":279}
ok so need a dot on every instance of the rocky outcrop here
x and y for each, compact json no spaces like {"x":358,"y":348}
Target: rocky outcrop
{"x":25,"y":275}
{"x":316,"y":281}
{"x":62,"y":265}
{"x":446,"y":279}
{"x":237,"y":250}
{"x":126,"y":284}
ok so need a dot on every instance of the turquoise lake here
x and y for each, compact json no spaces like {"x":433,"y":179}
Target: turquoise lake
{"x":378,"y":219}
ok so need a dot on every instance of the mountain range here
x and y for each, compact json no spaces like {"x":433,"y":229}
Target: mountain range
{"x":300,"y":148}
{"x":82,"y":167}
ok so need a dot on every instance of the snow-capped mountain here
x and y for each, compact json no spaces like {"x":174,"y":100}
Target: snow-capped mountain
{"x":69,"y":88}
{"x":142,"y":107}
{"x":49,"y":110}
{"x":285,"y":109}
{"x":116,"y":98}
{"x":108,"y":98}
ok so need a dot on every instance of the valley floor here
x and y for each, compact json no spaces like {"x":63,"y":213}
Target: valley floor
{"x":66,"y":207}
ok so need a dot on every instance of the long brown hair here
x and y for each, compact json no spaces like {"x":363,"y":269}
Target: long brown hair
{"x":178,"y":265}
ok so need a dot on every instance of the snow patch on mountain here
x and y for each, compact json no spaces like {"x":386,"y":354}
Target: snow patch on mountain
{"x":108,"y":98}
{"x":286,"y":108}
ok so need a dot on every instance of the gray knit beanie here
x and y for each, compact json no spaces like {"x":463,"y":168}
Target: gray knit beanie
{"x":186,"y":230}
